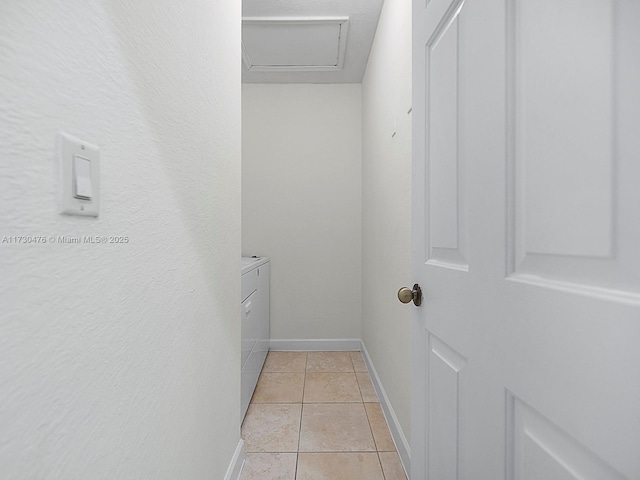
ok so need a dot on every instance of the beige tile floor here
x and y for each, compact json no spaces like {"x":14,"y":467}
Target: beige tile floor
{"x":316,"y":416}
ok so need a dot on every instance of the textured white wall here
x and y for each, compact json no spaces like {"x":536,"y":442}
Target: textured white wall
{"x":386,"y":204}
{"x":121,"y":361}
{"x":301,"y":203}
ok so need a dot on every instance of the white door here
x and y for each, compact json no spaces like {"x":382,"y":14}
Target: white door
{"x":526,"y":214}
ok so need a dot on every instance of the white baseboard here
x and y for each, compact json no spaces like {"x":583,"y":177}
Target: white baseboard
{"x":326,"y":345}
{"x":237,"y":461}
{"x":402,"y":445}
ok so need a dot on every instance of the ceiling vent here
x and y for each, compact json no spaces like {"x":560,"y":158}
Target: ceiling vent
{"x":294,"y":44}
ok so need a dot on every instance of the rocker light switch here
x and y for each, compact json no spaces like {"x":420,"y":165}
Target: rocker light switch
{"x":82,"y":178}
{"x":79,"y":189}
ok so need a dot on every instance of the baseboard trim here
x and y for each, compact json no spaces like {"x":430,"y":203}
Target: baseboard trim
{"x":313,"y":345}
{"x":237,"y":461}
{"x":402,"y":445}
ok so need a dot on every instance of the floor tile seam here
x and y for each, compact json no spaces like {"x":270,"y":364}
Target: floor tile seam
{"x":366,"y":370}
{"x":359,"y":387}
{"x":334,"y":451}
{"x":369,"y":423}
{"x":332,"y":401}
{"x":333,"y":372}
{"x":395,"y":449}
{"x":281,"y":371}
{"x":352,"y":362}
{"x":384,"y":475}
{"x":318,"y":451}
{"x":372,"y":387}
{"x":338,"y":451}
{"x":329,"y":371}
{"x":304,"y":384}
{"x":271,"y":452}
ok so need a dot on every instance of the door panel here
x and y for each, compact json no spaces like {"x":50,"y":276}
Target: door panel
{"x":446,"y":411}
{"x":563,"y":126}
{"x":447,"y":211}
{"x":567,"y":147}
{"x":568,"y":83}
{"x":541,"y":450}
{"x":525,"y":240}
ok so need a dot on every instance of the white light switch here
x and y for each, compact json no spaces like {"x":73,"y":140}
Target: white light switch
{"x":82,"y":177}
{"x":79,"y":176}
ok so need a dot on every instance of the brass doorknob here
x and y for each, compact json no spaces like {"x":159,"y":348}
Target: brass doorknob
{"x":405,"y":295}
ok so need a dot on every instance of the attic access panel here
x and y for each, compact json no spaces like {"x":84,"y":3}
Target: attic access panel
{"x":294,"y":44}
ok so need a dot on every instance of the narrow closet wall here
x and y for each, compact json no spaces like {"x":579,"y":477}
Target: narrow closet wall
{"x":301,"y":203}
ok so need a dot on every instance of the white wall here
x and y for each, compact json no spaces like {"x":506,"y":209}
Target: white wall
{"x":301,"y":203}
{"x":121,"y":361}
{"x":386,"y":204}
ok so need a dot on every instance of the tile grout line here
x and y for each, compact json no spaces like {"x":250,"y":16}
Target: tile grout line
{"x":370,"y":427}
{"x":304,"y":384}
{"x":347,"y":452}
{"x":384,"y":476}
{"x":325,"y":452}
{"x":357,"y":381}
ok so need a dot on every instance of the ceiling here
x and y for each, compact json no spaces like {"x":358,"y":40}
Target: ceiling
{"x":307,"y":41}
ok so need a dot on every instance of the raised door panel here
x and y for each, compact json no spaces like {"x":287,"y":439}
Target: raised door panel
{"x":540,"y":450}
{"x":445,"y":386}
{"x":567,"y":138}
{"x":445,"y":193}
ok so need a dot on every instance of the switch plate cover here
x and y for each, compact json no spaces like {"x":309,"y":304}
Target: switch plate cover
{"x":70,"y":150}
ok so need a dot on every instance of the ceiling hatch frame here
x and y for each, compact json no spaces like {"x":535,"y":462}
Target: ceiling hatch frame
{"x":342,"y":22}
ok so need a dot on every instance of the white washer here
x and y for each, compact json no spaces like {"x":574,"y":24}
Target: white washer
{"x":255,"y":324}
